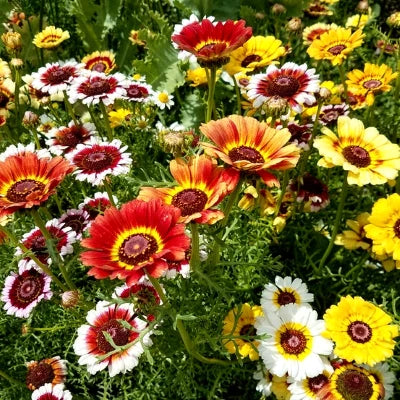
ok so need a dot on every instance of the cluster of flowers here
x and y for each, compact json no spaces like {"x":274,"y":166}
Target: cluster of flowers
{"x":305,"y":358}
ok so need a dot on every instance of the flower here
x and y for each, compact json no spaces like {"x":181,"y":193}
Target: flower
{"x":202,"y":185}
{"x":136,"y":239}
{"x":12,"y":41}
{"x":368,"y":156}
{"x":330,"y":113}
{"x":50,"y":37}
{"x":239,"y":328}
{"x":94,"y":161}
{"x":384,"y":376}
{"x":77,"y":220}
{"x":355,"y":238}
{"x":250,"y":145}
{"x":24,"y":290}
{"x":312,"y":32}
{"x":119,"y":117}
{"x":100,"y":61}
{"x":93,"y":346}
{"x":293,"y":82}
{"x":21,"y":150}
{"x":93,"y":87}
{"x":141,"y":92}
{"x":361,"y":331}
{"x":279,"y":387}
{"x":317,"y":9}
{"x":357,"y":21}
{"x":50,"y":370}
{"x":198,"y":76}
{"x":5,"y":71}
{"x":335,"y":44}
{"x":28,"y":180}
{"x":300,"y":134}
{"x":96,"y":205}
{"x":257,"y":52}
{"x":134,"y":38}
{"x":285,"y":291}
{"x":163,"y":99}
{"x":394,"y":19}
{"x":50,"y":392}
{"x":264,"y":379}
{"x":211,"y":43}
{"x":55,"y":77}
{"x":7,"y":88}
{"x":295,"y":341}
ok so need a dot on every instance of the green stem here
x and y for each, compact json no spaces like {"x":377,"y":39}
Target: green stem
{"x":36,"y":139}
{"x":69,"y":108}
{"x":95,"y":121}
{"x":11,"y":380}
{"x":238,"y":96}
{"x":211,"y":89}
{"x":343,"y":79}
{"x":195,"y":252}
{"x":109,"y":192}
{"x":282,"y":193}
{"x":58,"y":203}
{"x":337,"y":221}
{"x":106,"y":121}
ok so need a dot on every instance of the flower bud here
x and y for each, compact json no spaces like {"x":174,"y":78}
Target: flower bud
{"x":70,"y":298}
{"x":175,"y":142}
{"x":324,"y":93}
{"x":259,"y":15}
{"x":17,"y":63}
{"x":275,"y":106}
{"x":25,"y":328}
{"x":30,"y":119}
{"x":278,"y":9}
{"x":363,"y":6}
{"x":394,"y":20}
{"x":294,"y":25}
{"x":12,"y":41}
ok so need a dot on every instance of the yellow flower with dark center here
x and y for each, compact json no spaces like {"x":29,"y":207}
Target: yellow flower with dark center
{"x":355,"y":238}
{"x":335,"y":45}
{"x":357,"y":21}
{"x":7,"y":88}
{"x":257,"y":52}
{"x":100,"y":61}
{"x":310,"y":33}
{"x":369,"y":157}
{"x":198,"y":76}
{"x":50,"y":37}
{"x":361,"y":331}
{"x":239,"y":326}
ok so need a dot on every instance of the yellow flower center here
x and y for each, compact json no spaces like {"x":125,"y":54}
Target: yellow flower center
{"x":163,"y":97}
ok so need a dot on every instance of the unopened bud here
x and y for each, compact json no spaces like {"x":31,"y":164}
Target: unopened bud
{"x":17,"y":63}
{"x":175,"y":142}
{"x":363,"y":6}
{"x":30,"y":119}
{"x":275,"y":106}
{"x":294,"y":25}
{"x":70,"y":298}
{"x":278,"y":9}
{"x":324,"y":93}
{"x":394,"y":19}
{"x":12,"y":41}
{"x":25,"y":328}
{"x":259,"y":15}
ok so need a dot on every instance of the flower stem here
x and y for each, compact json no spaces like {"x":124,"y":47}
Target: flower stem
{"x":109,"y":192}
{"x":195,"y":255}
{"x":337,"y":222}
{"x":69,"y":108}
{"x":95,"y":121}
{"x":212,"y":75}
{"x":238,"y":96}
{"x":282,"y":193}
{"x":109,"y":130}
{"x":343,"y":79}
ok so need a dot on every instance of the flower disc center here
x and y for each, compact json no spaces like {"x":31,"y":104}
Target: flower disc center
{"x":357,"y":156}
{"x":247,"y":330}
{"x":336,"y":50}
{"x":70,"y":136}
{"x":137,"y":92}
{"x":20,"y":190}
{"x":354,"y":385}
{"x":360,"y":332}
{"x":315,"y":384}
{"x":190,"y":201}
{"x":245,"y":153}
{"x":97,"y":160}
{"x":286,"y":298}
{"x":96,"y":86}
{"x":293,"y":341}
{"x":250,"y":59}
{"x":39,"y":375}
{"x":396,"y":228}
{"x":58,"y":75}
{"x":137,"y":248}
{"x":118,"y":333}
{"x":372,"y":84}
{"x":283,"y":86}
{"x":99,"y":67}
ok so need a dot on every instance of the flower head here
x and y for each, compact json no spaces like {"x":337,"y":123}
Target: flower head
{"x":355,"y":238}
{"x":315,"y":31}
{"x":100,"y":61}
{"x":330,"y":113}
{"x":7,"y":89}
{"x":384,"y":376}
{"x":77,"y":220}
{"x":50,"y":370}
{"x":97,"y":204}
{"x":50,"y":392}
{"x":163,"y":99}
{"x":141,"y":92}
{"x":50,"y":37}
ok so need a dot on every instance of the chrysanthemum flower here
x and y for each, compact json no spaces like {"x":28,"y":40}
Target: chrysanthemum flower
{"x":202,"y":186}
{"x":292,"y":82}
{"x":7,"y":88}
{"x":318,"y":9}
{"x":369,"y":157}
{"x":335,"y":45}
{"x":96,"y":160}
{"x":119,"y":117}
{"x":239,"y":324}
{"x":300,"y":134}
{"x":330,"y":113}
{"x":27,"y":180}
{"x":250,"y":145}
{"x":95,"y":87}
{"x":285,"y":291}
{"x":357,"y":101}
{"x":100,"y":61}
{"x":50,"y":370}
{"x":312,"y":32}
{"x":141,"y":92}
{"x":50,"y":37}
{"x":92,"y":345}
{"x":24,"y":290}
{"x":355,"y":238}
{"x":361,"y":331}
{"x":55,"y":77}
{"x":97,"y":204}
{"x":295,"y":341}
{"x":264,"y":379}
{"x":212,"y":43}
{"x":198,"y":76}
{"x":77,"y":220}
{"x":140,"y":237}
{"x":384,"y":376}
{"x":163,"y":99}
{"x":257,"y":52}
{"x":63,"y":139}
{"x":394,"y":19}
{"x":50,"y":392}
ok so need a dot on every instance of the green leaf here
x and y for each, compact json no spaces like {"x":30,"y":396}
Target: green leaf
{"x":192,"y":110}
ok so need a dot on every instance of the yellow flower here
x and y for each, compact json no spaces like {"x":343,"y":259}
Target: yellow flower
{"x":198,"y":76}
{"x":279,"y":388}
{"x":361,"y":331}
{"x":315,"y":31}
{"x":239,"y":326}
{"x":368,"y":156}
{"x":119,"y":117}
{"x":50,"y":37}
{"x":357,"y":21}
{"x":257,"y":52}
{"x":394,"y":19}
{"x":134,"y":38}
{"x":12,"y":41}
{"x":5,"y":71}
{"x":100,"y":61}
{"x":355,"y":238}
{"x":335,"y":45}
{"x":7,"y":88}
{"x":248,"y":201}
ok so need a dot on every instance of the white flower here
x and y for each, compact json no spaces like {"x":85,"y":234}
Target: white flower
{"x":264,"y":383}
{"x":48,"y":391}
{"x":163,"y":99}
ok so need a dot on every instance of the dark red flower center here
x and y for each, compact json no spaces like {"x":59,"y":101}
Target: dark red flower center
{"x":285,"y":298}
{"x":246,"y":153}
{"x":250,"y":59}
{"x":137,"y":92}
{"x":39,"y":374}
{"x":97,"y":206}
{"x":118,"y":333}
{"x":190,"y":201}
{"x":137,"y":248}
{"x":97,"y":161}
{"x":357,"y":156}
{"x":330,"y":116}
{"x":71,"y":136}
{"x":315,"y":384}
{"x":293,"y":341}
{"x":396,"y":228}
{"x":335,"y":50}
{"x":19,"y":191}
{"x":58,"y":75}
{"x":312,"y":186}
{"x":76,"y":222}
{"x":96,"y":86}
{"x":283,"y":86}
{"x":26,"y":288}
{"x":248,"y":330}
{"x":244,"y":81}
{"x":354,"y":385}
{"x":372,"y":84}
{"x":4,"y":99}
{"x":359,"y":332}
{"x":99,"y":66}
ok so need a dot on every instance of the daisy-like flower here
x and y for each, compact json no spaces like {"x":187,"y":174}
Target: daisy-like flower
{"x":92,"y":344}
{"x":330,"y":113}
{"x":335,"y":45}
{"x":294,"y":83}
{"x":202,"y":185}
{"x":300,"y":134}
{"x":21,"y":149}
{"x":55,"y":77}
{"x":163,"y":99}
{"x":94,"y":87}
{"x":295,"y":343}
{"x":7,"y":88}
{"x":239,"y":327}
{"x":100,"y":61}
{"x":121,"y":116}
{"x":264,"y":380}
{"x":355,"y":238}
{"x":50,"y":37}
{"x":50,"y":392}
{"x":212,"y":43}
{"x":357,"y":101}
{"x":361,"y":331}
{"x":357,"y":21}
{"x":96,"y":160}
{"x":77,"y":220}
{"x":317,"y":9}
{"x":137,"y":238}
{"x":285,"y":291}
{"x":257,"y":52}
{"x":251,"y":146}
{"x":63,"y":139}
{"x":52,"y":371}
{"x":384,"y":376}
{"x":141,"y":92}
{"x":312,"y":32}
{"x":28,"y":180}
{"x":97,"y":204}
{"x":34,"y":241}
{"x":369,"y":157}
{"x":24,"y":290}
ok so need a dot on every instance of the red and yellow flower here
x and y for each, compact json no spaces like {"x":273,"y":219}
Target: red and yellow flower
{"x":100,"y":61}
{"x":50,"y":37}
{"x":202,"y":185}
